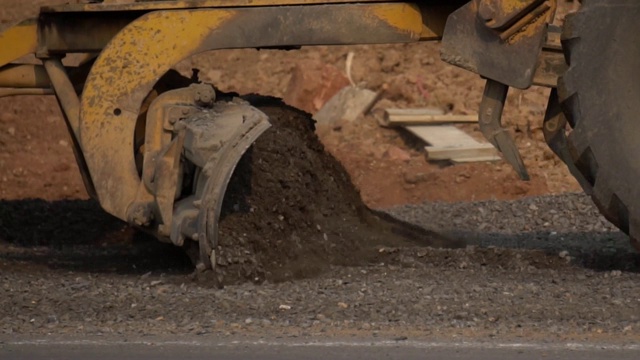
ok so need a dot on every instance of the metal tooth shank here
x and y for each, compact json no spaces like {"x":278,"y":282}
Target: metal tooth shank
{"x":491,"y":108}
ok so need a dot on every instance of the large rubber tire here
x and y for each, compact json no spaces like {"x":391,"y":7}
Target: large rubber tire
{"x":600,"y":95}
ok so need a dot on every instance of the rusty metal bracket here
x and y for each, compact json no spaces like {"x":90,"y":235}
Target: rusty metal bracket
{"x":165,"y":111}
{"x":501,"y":14}
{"x":490,"y":123}
{"x":509,"y":56}
{"x":551,"y":64}
{"x":168,"y":183}
{"x":523,"y":22}
{"x":162,"y":153}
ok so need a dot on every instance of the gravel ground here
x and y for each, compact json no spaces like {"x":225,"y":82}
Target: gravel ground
{"x":569,"y":225}
{"x":514,"y":282}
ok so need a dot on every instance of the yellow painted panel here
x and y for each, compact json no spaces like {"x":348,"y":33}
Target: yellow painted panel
{"x":139,"y":54}
{"x":191,"y":4}
{"x":135,"y":58}
{"x":402,"y":16}
{"x":18,"y":41}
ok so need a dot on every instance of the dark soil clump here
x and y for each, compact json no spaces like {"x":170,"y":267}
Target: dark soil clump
{"x":291,"y":211}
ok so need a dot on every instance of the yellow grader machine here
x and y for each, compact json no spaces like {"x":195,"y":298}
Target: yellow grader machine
{"x":157,"y":150}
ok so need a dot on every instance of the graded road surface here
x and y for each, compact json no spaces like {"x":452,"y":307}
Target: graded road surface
{"x":284,"y":350}
{"x":542,"y":278}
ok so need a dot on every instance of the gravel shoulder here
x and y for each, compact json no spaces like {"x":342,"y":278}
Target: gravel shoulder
{"x":568,"y":225}
{"x":503,"y":287}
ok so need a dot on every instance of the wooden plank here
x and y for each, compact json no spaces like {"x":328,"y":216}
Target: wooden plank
{"x":476,"y":159}
{"x":396,"y":120}
{"x":443,"y":136}
{"x":413,"y":112}
{"x":450,"y":143}
{"x":474,"y":151}
{"x":426,"y":116}
{"x":384,"y":121}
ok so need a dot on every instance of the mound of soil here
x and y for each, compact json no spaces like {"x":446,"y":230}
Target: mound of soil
{"x":291,"y":210}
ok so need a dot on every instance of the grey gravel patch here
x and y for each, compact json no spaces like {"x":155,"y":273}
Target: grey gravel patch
{"x":569,"y":225}
{"x":503,"y":287}
{"x":430,"y":299}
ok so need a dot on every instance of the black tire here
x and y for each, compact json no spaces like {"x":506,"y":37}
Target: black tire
{"x":600,"y":96}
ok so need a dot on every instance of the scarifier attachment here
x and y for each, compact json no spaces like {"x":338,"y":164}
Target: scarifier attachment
{"x":490,"y":122}
{"x":502,"y":40}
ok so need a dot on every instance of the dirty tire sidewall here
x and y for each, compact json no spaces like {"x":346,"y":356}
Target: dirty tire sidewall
{"x":600,"y":95}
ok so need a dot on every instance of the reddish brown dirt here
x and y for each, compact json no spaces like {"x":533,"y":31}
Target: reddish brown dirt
{"x":36,"y":160}
{"x":388,"y":166}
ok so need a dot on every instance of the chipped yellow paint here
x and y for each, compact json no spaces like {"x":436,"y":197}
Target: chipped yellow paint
{"x":139,"y":54}
{"x":406,"y":17}
{"x":18,"y":41}
{"x":152,"y":43}
{"x":509,"y":6}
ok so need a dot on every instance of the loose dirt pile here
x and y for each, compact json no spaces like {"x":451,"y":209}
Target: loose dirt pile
{"x":291,"y":209}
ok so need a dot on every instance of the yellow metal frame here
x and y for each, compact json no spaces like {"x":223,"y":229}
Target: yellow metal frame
{"x":131,"y":46}
{"x":142,"y":52}
{"x":136,"y":43}
{"x":194,"y":4}
{"x":19,"y":40}
{"x":139,"y":42}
